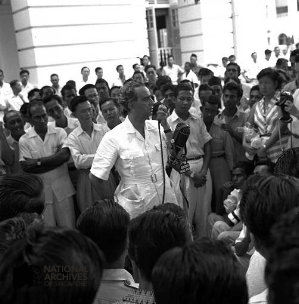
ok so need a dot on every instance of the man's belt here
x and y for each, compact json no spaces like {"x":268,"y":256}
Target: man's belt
{"x":195,"y":158}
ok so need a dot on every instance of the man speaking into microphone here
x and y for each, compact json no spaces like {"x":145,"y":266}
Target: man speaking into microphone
{"x":134,"y":148}
{"x":195,"y":185}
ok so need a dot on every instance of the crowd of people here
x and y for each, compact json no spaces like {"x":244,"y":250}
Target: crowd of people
{"x":171,"y":186}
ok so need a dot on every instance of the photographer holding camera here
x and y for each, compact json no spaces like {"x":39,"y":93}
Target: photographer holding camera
{"x":266,"y":116}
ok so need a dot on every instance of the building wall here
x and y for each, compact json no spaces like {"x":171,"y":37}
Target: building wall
{"x":9,"y":61}
{"x":62,"y":36}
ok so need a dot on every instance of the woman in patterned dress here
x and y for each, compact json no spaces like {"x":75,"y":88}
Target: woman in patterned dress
{"x":265,"y":117}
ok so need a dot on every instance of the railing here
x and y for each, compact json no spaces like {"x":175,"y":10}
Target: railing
{"x":153,"y":2}
{"x":163,"y":53}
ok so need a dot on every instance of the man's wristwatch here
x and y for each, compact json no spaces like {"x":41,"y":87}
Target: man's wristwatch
{"x":38,"y":163}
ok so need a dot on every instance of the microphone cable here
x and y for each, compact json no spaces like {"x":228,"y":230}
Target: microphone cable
{"x":162,"y":158}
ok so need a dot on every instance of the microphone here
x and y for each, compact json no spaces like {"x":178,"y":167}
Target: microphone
{"x":177,"y":160}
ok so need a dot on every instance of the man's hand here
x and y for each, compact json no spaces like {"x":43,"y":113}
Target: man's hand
{"x":227,"y":127}
{"x":199,"y":179}
{"x":29,"y":163}
{"x":162,"y":116}
{"x":291,"y":108}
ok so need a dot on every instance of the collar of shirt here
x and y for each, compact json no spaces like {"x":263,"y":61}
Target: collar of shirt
{"x":117,"y":275}
{"x":221,"y":114}
{"x":96,"y":127}
{"x":32,"y":133}
{"x":174,"y":117}
{"x":149,"y":124}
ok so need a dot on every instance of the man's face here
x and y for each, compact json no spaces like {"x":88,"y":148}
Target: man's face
{"x":232,"y":71}
{"x":209,"y":111}
{"x":24,"y":78}
{"x":183,"y":102}
{"x":39,"y":117}
{"x":232,"y":58}
{"x":120,"y":70}
{"x":230,"y":99}
{"x":99,"y":74}
{"x":151,"y":74}
{"x":224,"y":62}
{"x":15,"y":124}
{"x":102,"y":89}
{"x":54,"y":109}
{"x":254,"y":97}
{"x":277,"y":51}
{"x":268,"y":56}
{"x":36,"y":95}
{"x":170,"y":61}
{"x":55,"y":81}
{"x":47,"y":92}
{"x":217,"y":90}
{"x":145,"y":60}
{"x":109,"y":111}
{"x":170,"y":99}
{"x":239,"y":177}
{"x":137,"y":68}
{"x":187,"y":67}
{"x":92,"y":95}
{"x":115,"y":94}
{"x":85,"y":72}
{"x":138,"y":78}
{"x":193,"y":60}
{"x":144,"y":104}
{"x":254,"y":56}
{"x":84,"y":112}
{"x":204,"y":94}
{"x":69,"y":96}
{"x":205,"y":79}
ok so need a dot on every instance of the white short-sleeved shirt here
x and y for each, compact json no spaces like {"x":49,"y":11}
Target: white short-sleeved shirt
{"x":26,"y":90}
{"x":191,"y":77}
{"x":198,"y":137}
{"x":173,"y":72}
{"x":72,"y":124}
{"x":14,"y":102}
{"x":139,"y":163}
{"x":57,"y":181}
{"x":83,"y":147}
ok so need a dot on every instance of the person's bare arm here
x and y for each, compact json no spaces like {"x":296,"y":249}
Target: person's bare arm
{"x":101,"y":187}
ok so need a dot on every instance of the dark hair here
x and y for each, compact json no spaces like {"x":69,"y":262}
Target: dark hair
{"x":164,"y":79}
{"x":170,"y":207}
{"x":254,"y":88}
{"x":85,"y":67}
{"x":282,"y":268}
{"x":205,"y":271}
{"x":45,"y":87}
{"x":13,"y":83}
{"x":67,"y":87}
{"x":189,"y":83}
{"x":234,"y":64}
{"x":294,"y":53}
{"x":106,"y":223}
{"x":102,"y":80}
{"x":231,"y":86}
{"x":281,"y":61}
{"x":31,"y":92}
{"x":68,"y":252}
{"x":77,"y":100}
{"x":20,"y":193}
{"x":98,"y":69}
{"x":134,"y":65}
{"x":10,"y":112}
{"x":170,"y":56}
{"x":212,"y":99}
{"x":113,"y":88}
{"x":151,"y":234}
{"x":120,"y":65}
{"x":193,"y":55}
{"x":55,"y":97}
{"x":139,"y":72}
{"x":52,"y":75}
{"x":71,"y":83}
{"x":24,"y":109}
{"x":272,"y":74}
{"x":183,"y":87}
{"x":86,"y":87}
{"x":23,"y":71}
{"x":1,"y":71}
{"x":215,"y":81}
{"x":246,"y":166}
{"x":264,"y":200}
{"x":204,"y":87}
{"x":205,"y":72}
{"x":267,"y":51}
{"x":168,"y":86}
{"x":149,"y":66}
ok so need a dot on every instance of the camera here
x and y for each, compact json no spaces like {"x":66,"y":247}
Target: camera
{"x":284,"y":97}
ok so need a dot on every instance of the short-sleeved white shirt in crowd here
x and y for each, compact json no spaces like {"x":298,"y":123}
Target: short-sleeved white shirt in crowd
{"x":139,"y":163}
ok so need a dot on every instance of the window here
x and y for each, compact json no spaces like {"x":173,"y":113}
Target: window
{"x":175,"y":18}
{"x":282,"y":8}
{"x":297,"y":5}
